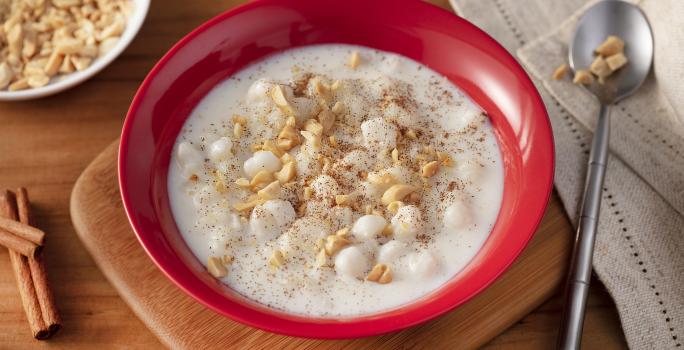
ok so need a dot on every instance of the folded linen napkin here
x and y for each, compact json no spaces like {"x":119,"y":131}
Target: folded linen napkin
{"x":639,"y":252}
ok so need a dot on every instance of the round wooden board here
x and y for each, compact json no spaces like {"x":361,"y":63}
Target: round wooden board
{"x":180,"y":322}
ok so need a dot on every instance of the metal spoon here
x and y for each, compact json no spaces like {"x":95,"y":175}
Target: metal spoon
{"x":627,"y":21}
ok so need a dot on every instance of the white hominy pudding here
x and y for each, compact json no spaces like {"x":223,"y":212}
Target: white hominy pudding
{"x":340,"y":181}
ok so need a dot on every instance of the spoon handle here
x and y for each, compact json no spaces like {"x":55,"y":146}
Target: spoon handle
{"x":579,"y":274}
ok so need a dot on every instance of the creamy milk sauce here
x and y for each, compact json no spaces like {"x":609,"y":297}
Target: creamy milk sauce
{"x":383,"y":102}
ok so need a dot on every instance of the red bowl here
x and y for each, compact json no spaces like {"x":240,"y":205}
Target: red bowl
{"x":222,"y":46}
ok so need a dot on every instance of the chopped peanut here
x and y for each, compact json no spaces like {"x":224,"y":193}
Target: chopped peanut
{"x":396,"y":193}
{"x":313,"y":126}
{"x":216,"y":267}
{"x":445,"y":159}
{"x":271,"y":191}
{"x":342,"y":199}
{"x":248,"y":205}
{"x":380,"y":273}
{"x":261,"y":178}
{"x":326,"y":120}
{"x":343,"y":232}
{"x":278,"y":97}
{"x":321,"y":258}
{"x":277,"y":258}
{"x":616,"y":61}
{"x":308,"y":193}
{"x":611,"y":46}
{"x":334,"y":243}
{"x":394,"y":206}
{"x":287,"y":173}
{"x":560,"y":72}
{"x":271,"y":146}
{"x":354,"y":60}
{"x":583,"y":77}
{"x":385,"y":179}
{"x":429,"y":169}
{"x":288,"y":138}
{"x":338,"y":108}
{"x":395,"y":155}
{"x":600,"y":68}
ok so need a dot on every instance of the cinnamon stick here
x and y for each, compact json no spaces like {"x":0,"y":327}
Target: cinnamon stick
{"x":22,"y":273}
{"x":18,"y":244}
{"x":23,"y":230}
{"x":46,"y":299}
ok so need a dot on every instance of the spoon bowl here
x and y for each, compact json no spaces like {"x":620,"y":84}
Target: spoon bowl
{"x":624,"y":20}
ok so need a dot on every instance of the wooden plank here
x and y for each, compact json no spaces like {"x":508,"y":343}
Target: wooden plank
{"x":180,"y":322}
{"x":45,"y":144}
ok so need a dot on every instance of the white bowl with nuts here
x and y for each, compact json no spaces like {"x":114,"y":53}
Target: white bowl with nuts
{"x":48,"y":46}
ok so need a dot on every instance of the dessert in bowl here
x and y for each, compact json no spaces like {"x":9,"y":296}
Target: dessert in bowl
{"x":335,"y":172}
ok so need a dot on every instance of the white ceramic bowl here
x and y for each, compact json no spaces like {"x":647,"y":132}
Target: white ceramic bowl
{"x":64,"y":82}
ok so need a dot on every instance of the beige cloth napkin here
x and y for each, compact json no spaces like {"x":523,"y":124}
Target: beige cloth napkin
{"x":640,"y":245}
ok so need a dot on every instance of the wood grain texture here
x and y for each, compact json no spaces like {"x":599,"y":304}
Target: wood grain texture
{"x":179,"y":322}
{"x":45,"y":144}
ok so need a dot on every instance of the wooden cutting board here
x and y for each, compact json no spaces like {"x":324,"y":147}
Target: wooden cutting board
{"x":180,"y":322}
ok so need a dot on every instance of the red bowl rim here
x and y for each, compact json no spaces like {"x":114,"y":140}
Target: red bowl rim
{"x":545,"y":137}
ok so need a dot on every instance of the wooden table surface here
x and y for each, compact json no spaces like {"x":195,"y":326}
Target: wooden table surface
{"x":46,"y":143}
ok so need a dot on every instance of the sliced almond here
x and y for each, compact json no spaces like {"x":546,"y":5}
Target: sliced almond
{"x":396,"y":193}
